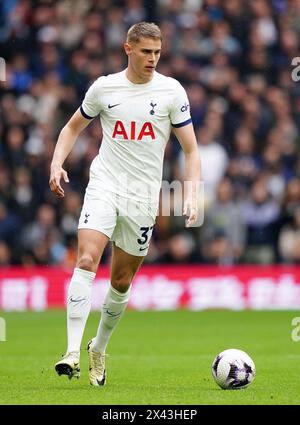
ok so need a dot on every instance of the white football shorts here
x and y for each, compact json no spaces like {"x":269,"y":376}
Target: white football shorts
{"x":128,"y":223}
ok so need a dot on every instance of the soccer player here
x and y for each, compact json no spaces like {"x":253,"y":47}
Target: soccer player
{"x":138,"y":108}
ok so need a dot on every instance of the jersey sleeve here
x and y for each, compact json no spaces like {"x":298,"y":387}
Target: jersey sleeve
{"x":91,"y":105}
{"x":180,"y":108}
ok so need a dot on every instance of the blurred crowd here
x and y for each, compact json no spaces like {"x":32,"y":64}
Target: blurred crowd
{"x":234,"y":58}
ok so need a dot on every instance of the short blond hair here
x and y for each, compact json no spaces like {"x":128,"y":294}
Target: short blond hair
{"x":143,"y":29}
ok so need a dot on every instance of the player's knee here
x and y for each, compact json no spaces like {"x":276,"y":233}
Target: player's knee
{"x":121,"y":285}
{"x":122,"y":278}
{"x":87,"y":262}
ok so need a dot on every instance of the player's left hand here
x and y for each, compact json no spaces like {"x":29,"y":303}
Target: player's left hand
{"x":190,"y":210}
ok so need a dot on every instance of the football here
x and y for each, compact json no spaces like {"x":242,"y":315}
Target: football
{"x":233,"y":369}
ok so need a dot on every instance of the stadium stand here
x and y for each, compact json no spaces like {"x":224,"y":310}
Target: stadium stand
{"x":235,"y":60}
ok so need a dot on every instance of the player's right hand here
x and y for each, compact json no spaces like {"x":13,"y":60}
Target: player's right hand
{"x":56,"y":174}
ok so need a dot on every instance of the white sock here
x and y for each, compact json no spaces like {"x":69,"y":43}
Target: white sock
{"x":78,"y":306}
{"x":112,"y":310}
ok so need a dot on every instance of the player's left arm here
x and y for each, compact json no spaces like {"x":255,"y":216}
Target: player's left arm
{"x":187,"y":139}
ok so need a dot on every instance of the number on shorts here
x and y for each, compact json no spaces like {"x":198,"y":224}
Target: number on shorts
{"x":144,"y":235}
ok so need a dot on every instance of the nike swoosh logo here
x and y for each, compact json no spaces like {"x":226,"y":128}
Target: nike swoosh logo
{"x":77,"y":300}
{"x":143,"y":249}
{"x":112,"y":106}
{"x":112,"y":314}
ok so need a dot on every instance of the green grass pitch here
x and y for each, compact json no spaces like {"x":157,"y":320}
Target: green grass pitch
{"x":154,"y":358}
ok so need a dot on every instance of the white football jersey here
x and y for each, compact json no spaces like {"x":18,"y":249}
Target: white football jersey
{"x":136,"y":120}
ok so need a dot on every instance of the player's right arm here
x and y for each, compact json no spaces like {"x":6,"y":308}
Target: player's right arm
{"x":65,"y":143}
